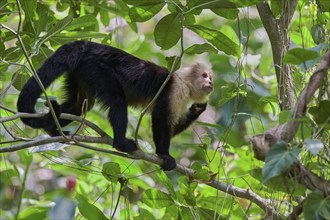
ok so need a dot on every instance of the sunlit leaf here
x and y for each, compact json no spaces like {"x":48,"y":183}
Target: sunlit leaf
{"x":168,"y":31}
{"x":144,"y":13}
{"x":84,"y":21}
{"x":218,"y":39}
{"x":201,"y":48}
{"x":284,"y":116}
{"x":111,"y":171}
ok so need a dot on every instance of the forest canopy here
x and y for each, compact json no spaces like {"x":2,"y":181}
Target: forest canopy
{"x":260,"y":150}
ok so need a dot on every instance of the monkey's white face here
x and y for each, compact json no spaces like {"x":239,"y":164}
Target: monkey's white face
{"x":206,"y":81}
{"x":199,"y":80}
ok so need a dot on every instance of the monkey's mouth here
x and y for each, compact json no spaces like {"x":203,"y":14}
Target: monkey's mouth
{"x":208,"y":88}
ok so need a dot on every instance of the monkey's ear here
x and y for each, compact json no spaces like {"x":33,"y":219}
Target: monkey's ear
{"x":196,"y":66}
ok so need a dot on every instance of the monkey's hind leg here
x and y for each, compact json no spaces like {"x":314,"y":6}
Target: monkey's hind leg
{"x":118,"y":119}
{"x":74,"y":104}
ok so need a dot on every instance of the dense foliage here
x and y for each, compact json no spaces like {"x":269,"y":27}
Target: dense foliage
{"x":84,"y":180}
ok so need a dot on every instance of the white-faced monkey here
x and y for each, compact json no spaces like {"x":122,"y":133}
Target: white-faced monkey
{"x":118,"y":79}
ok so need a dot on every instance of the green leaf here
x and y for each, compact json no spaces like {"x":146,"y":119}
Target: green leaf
{"x":82,"y":22}
{"x":207,"y":4}
{"x":29,"y":8}
{"x":274,"y":184}
{"x":318,"y":34}
{"x":229,"y":13}
{"x":20,"y":80}
{"x":276,"y":8}
{"x":218,"y":39}
{"x":206,"y":214}
{"x":144,"y":214}
{"x":186,"y":213}
{"x":143,"y":2}
{"x":57,"y":28}
{"x":201,"y":48}
{"x":278,"y":160}
{"x":111,"y":171}
{"x":202,"y":174}
{"x":144,"y":13}
{"x":321,"y":113}
{"x":163,"y":178}
{"x":299,"y":55}
{"x":104,"y":17}
{"x":170,"y":62}
{"x":269,"y":100}
{"x":316,"y":205}
{"x":284,"y":117}
{"x":168,"y":31}
{"x":33,"y":213}
{"x":187,"y":190}
{"x":155,"y":198}
{"x":89,"y":210}
{"x":73,"y":35}
{"x":325,"y":6}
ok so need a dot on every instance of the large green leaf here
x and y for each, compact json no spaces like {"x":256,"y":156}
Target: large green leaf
{"x":229,"y":13}
{"x":144,"y":13}
{"x":29,"y":8}
{"x":89,"y":210}
{"x":278,"y":160}
{"x":207,"y":4}
{"x":321,"y":113}
{"x":276,"y":184}
{"x":155,"y":198}
{"x":84,"y":21}
{"x":79,"y":35}
{"x":143,"y":2}
{"x":201,"y":48}
{"x":316,"y":205}
{"x":168,"y":31}
{"x":218,"y":39}
{"x":144,"y":214}
{"x":111,"y":171}
{"x":57,"y":28}
{"x":299,"y":55}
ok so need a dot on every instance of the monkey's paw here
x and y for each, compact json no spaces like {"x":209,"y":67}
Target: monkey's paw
{"x":197,"y":108}
{"x":126,"y":146}
{"x":168,"y":162}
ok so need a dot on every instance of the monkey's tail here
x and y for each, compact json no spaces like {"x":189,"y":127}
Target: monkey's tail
{"x":64,"y":59}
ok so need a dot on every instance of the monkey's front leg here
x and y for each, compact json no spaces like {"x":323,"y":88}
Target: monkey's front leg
{"x":162,"y":136}
{"x":194,"y":112}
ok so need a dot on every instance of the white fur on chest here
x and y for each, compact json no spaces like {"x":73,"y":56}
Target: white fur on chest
{"x":179,"y":99}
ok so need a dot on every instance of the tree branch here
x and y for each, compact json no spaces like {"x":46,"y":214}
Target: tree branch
{"x":263,"y":142}
{"x":136,"y":155}
{"x":279,"y":40}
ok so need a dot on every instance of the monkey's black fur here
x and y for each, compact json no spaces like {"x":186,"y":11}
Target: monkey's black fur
{"x":117,"y":79}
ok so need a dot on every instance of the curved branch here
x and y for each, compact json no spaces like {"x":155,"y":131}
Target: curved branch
{"x":263,"y":142}
{"x":137,"y":155}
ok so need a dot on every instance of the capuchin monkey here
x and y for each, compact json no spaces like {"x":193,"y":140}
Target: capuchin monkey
{"x":118,"y":80}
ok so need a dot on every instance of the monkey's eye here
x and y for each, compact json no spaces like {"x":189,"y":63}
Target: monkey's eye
{"x":204,"y":75}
